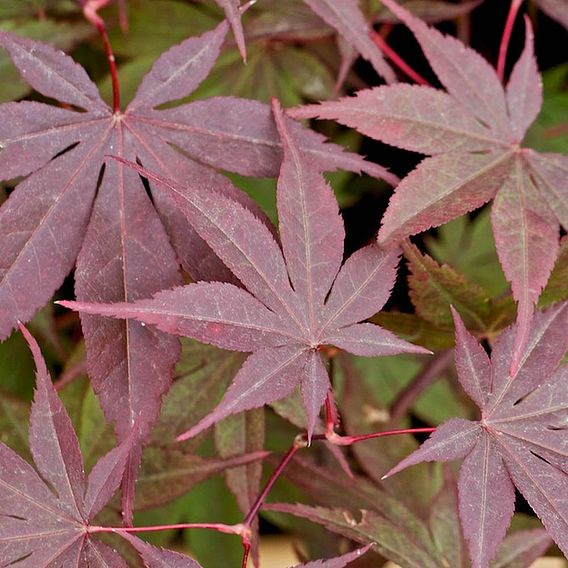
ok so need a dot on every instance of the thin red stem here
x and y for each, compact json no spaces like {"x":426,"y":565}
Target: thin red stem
{"x":90,"y":11}
{"x":227,"y":529}
{"x":329,"y":413}
{"x":299,"y":443}
{"x":505,"y":40}
{"x":338,"y":440}
{"x":397,"y":60}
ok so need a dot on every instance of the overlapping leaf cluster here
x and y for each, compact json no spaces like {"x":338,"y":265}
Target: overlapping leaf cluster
{"x":133,"y":201}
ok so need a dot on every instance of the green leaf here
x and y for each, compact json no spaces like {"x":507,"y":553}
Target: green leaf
{"x":557,"y":288}
{"x":549,"y":133}
{"x":362,"y":413}
{"x":210,"y":502}
{"x":406,"y":544}
{"x":202,"y":376}
{"x":433,"y":288}
{"x":416,"y":330}
{"x":468,"y":246}
{"x":17,"y":369}
{"x":96,"y":436}
{"x":241,"y":434}
{"x":156,"y":25}
{"x":168,"y":473}
{"x":14,"y":415}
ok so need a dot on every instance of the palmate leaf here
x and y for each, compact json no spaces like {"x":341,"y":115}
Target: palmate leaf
{"x":127,"y":247}
{"x":435,"y":544}
{"x":45,"y":520}
{"x":345,"y":16}
{"x":155,"y":557}
{"x":431,"y":11}
{"x":233,"y":14}
{"x":520,"y":440}
{"x":287,"y":311}
{"x":338,"y":562}
{"x":472,"y":133}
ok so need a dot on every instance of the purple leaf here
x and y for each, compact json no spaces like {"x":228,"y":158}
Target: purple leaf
{"x":123,"y":249}
{"x":526,"y":238}
{"x":106,"y":475}
{"x":159,"y":557}
{"x":267,"y":375}
{"x":452,"y":440}
{"x":95,"y":553}
{"x":233,"y":14}
{"x":239,"y":135}
{"x":551,"y":171}
{"x":315,"y":387}
{"x":46,"y":522}
{"x":53,"y":443}
{"x":472,"y":134}
{"x":486,"y":500}
{"x":369,"y":340}
{"x":60,"y":195}
{"x":466,"y":75}
{"x":215,"y":313}
{"x":522,"y":548}
{"x":420,"y":119}
{"x":362,"y":286}
{"x":524,"y":90}
{"x":52,"y":73}
{"x":130,"y":366}
{"x":472,"y":364}
{"x":179,"y":70}
{"x":441,"y":188}
{"x":346,"y":17}
{"x":339,"y":562}
{"x":521,"y":438}
{"x":286,"y":335}
{"x":311,"y":228}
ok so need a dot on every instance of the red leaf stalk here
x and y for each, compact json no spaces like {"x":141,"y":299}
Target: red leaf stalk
{"x":505,"y":40}
{"x":90,"y":9}
{"x":339,"y":440}
{"x":397,"y":60}
{"x":227,"y":529}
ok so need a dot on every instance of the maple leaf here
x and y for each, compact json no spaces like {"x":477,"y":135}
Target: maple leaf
{"x":155,"y":557}
{"x":126,"y":247}
{"x":297,"y":299}
{"x":413,"y":543}
{"x":45,"y":520}
{"x":233,"y":15}
{"x":472,"y":133}
{"x":520,"y":440}
{"x":345,"y":17}
{"x":338,"y":562}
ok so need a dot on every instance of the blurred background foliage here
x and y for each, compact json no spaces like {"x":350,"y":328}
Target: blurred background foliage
{"x":294,"y":56}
